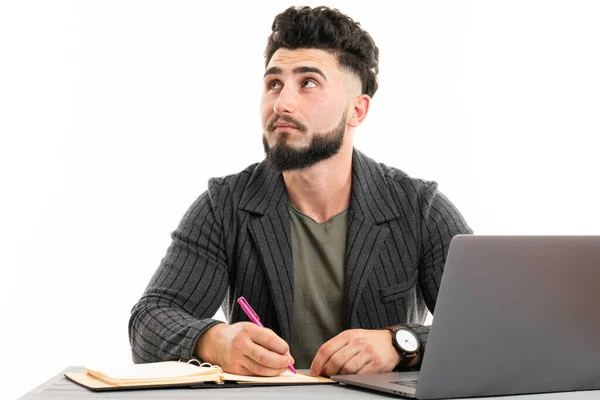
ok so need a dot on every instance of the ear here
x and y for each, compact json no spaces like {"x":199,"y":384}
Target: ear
{"x":359,"y":110}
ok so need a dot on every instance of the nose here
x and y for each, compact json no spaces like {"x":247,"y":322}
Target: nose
{"x":286,"y":102}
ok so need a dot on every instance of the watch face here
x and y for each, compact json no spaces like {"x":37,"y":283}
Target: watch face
{"x":407,"y":340}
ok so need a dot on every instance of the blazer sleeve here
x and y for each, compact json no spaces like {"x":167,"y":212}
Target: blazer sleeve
{"x":185,"y":291}
{"x":440,"y":222}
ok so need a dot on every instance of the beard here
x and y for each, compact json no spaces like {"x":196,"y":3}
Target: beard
{"x":322,"y":146}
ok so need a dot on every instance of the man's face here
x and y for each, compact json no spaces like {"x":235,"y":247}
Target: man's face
{"x":304,"y":106}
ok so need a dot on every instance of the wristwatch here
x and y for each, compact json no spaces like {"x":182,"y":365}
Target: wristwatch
{"x":406,"y":342}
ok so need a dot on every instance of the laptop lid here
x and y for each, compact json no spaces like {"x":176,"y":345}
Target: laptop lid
{"x":515,"y":314}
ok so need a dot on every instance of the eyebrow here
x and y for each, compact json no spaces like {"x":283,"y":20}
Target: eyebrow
{"x":297,"y":70}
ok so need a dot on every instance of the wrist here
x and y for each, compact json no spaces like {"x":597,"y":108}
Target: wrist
{"x":396,"y":357}
{"x":206,"y":344}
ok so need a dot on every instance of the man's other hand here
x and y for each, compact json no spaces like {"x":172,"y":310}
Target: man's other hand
{"x":244,"y":348}
{"x":356,"y":351}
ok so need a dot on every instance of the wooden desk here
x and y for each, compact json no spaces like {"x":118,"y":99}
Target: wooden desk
{"x":58,"y":387}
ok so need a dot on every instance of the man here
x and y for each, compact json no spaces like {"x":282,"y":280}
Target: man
{"x":335,"y":252}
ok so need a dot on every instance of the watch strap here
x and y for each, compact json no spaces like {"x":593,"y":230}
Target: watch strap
{"x":406,"y":359}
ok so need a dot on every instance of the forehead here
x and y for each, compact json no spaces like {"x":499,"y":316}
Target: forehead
{"x":286,"y":59}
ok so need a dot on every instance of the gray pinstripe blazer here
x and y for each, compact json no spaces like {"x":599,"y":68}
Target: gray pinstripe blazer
{"x":235,"y":241}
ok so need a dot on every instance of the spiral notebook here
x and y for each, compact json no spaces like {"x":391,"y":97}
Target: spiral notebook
{"x":178,"y":374}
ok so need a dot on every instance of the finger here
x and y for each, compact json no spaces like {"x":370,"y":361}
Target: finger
{"x":266,"y":357}
{"x":373,"y":366}
{"x":269,"y":340}
{"x":356,"y":363}
{"x":325,"y":352}
{"x":239,"y":369}
{"x":257,"y":369}
{"x":338,"y":360}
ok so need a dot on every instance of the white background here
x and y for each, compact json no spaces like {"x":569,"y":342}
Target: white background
{"x":114,"y":114}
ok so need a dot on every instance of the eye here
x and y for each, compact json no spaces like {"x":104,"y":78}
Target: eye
{"x":309,"y":83}
{"x":273,"y":85}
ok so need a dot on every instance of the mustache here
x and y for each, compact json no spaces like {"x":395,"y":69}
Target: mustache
{"x":286,"y":118}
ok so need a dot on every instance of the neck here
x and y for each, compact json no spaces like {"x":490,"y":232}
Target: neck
{"x":324,"y":189}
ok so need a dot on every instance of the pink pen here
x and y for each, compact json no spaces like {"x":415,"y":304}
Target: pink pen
{"x":254,"y":318}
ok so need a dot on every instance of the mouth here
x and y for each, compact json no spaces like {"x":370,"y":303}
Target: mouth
{"x":283,"y":126}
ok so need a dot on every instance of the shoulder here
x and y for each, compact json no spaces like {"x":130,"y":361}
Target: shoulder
{"x":221,"y":197}
{"x":425,"y":197}
{"x":402,"y":183}
{"x":230,"y":188}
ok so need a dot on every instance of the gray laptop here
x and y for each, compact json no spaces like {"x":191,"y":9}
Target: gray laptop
{"x":515,"y":314}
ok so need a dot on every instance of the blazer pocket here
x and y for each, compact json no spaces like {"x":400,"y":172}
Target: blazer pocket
{"x":395,"y":292}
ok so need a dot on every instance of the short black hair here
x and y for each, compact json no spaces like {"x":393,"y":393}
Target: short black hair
{"x":327,"y":29}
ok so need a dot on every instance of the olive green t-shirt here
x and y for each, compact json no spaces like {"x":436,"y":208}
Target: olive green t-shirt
{"x":319,"y":252}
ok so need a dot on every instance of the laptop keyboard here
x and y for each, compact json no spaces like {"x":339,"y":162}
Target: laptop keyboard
{"x":412,"y":384}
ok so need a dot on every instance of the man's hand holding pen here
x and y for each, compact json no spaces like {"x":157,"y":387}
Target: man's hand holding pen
{"x":244,"y":348}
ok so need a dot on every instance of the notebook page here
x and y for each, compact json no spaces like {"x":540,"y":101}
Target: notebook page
{"x":159,"y":370}
{"x":286,"y":376}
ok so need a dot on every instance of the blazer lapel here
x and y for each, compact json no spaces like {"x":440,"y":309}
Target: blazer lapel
{"x":266,"y":197}
{"x":363,"y":246}
{"x":372,"y":205}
